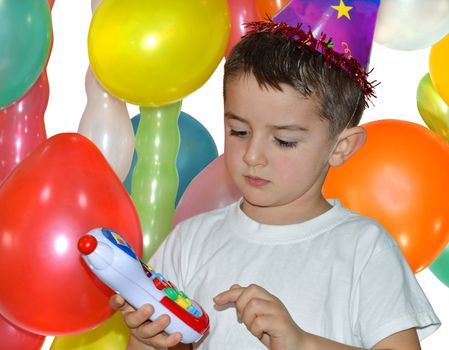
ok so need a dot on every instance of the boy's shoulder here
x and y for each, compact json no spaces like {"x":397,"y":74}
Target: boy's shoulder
{"x":365,"y":231}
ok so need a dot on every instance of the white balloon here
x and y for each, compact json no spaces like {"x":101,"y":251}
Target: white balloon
{"x":94,"y":4}
{"x":411,"y":24}
{"x":106,"y":123}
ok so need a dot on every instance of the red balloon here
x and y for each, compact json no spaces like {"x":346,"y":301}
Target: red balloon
{"x":241,"y":12}
{"x":62,"y":190}
{"x":14,"y":338}
{"x":22,"y":126}
{"x":400,"y":177}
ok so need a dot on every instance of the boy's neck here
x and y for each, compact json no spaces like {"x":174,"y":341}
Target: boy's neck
{"x":292,"y":213}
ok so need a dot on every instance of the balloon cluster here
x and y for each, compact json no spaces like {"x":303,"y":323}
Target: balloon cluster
{"x":412,"y":25}
{"x":433,"y":105}
{"x":53,"y":191}
{"x":25,"y":45}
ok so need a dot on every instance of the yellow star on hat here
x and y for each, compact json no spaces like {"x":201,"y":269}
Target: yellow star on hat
{"x":342,"y":9}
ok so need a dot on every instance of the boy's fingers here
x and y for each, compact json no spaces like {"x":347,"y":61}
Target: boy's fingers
{"x":256,"y":308}
{"x":116,"y":302}
{"x":151,"y":329}
{"x":135,"y":318}
{"x":163,"y":340}
{"x":174,"y":339}
{"x":154,"y":331}
{"x":253,"y":293}
{"x":229,"y":296}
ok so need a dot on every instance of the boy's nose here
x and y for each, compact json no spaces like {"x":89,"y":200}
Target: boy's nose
{"x":254,"y":154}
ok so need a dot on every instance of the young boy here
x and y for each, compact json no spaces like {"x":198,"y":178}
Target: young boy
{"x":284,"y":268}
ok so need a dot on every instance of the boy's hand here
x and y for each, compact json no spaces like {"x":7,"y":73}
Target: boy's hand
{"x":146,"y":332}
{"x":265,"y":316}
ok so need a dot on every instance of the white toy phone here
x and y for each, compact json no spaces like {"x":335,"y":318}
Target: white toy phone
{"x":112,"y":259}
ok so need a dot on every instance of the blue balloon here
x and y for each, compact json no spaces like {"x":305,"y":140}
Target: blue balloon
{"x":196,"y":150}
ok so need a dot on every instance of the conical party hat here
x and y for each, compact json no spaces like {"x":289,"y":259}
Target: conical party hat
{"x":350,"y":23}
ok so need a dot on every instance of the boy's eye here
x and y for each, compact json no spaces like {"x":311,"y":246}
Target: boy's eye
{"x":238,"y":133}
{"x":288,"y":144}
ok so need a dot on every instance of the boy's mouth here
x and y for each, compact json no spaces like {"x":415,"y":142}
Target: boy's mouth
{"x":256,"y":181}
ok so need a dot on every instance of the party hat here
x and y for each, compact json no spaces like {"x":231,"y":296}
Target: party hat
{"x":343,"y":33}
{"x":350,"y":23}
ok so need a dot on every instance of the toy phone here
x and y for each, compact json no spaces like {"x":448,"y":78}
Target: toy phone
{"x":112,"y":259}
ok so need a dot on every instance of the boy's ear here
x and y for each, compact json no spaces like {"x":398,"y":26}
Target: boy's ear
{"x":349,"y":141}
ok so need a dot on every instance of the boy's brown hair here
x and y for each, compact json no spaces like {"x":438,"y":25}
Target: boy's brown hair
{"x":274,"y":60}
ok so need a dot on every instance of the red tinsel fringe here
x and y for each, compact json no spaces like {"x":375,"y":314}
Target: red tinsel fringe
{"x":320,"y":45}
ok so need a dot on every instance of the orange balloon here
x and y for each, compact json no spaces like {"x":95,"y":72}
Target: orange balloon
{"x":399,"y":177}
{"x":270,"y":7}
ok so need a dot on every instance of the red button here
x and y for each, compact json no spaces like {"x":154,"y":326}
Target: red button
{"x":159,"y":284}
{"x":87,"y":244}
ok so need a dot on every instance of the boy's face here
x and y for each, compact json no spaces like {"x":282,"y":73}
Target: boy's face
{"x":276,"y":145}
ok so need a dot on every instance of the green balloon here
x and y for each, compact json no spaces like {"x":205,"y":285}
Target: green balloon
{"x":25,"y":39}
{"x":432,"y":108}
{"x":435,"y":114}
{"x":155,"y":178}
{"x":440,"y":267}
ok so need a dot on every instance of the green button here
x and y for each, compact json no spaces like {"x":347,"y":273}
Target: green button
{"x":171,"y":293}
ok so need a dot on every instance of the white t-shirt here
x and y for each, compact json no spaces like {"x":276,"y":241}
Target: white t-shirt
{"x":340,"y":275}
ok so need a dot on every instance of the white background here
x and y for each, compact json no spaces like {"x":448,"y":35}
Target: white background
{"x":399,"y":72}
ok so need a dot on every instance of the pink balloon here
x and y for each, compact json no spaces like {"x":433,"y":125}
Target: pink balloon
{"x":241,"y":12}
{"x":212,"y":188}
{"x":15,"y":338}
{"x":22,"y":126}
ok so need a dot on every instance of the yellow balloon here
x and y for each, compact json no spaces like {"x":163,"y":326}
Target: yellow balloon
{"x":433,"y":110}
{"x":151,"y":53}
{"x":111,"y":335}
{"x":439,"y":67}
